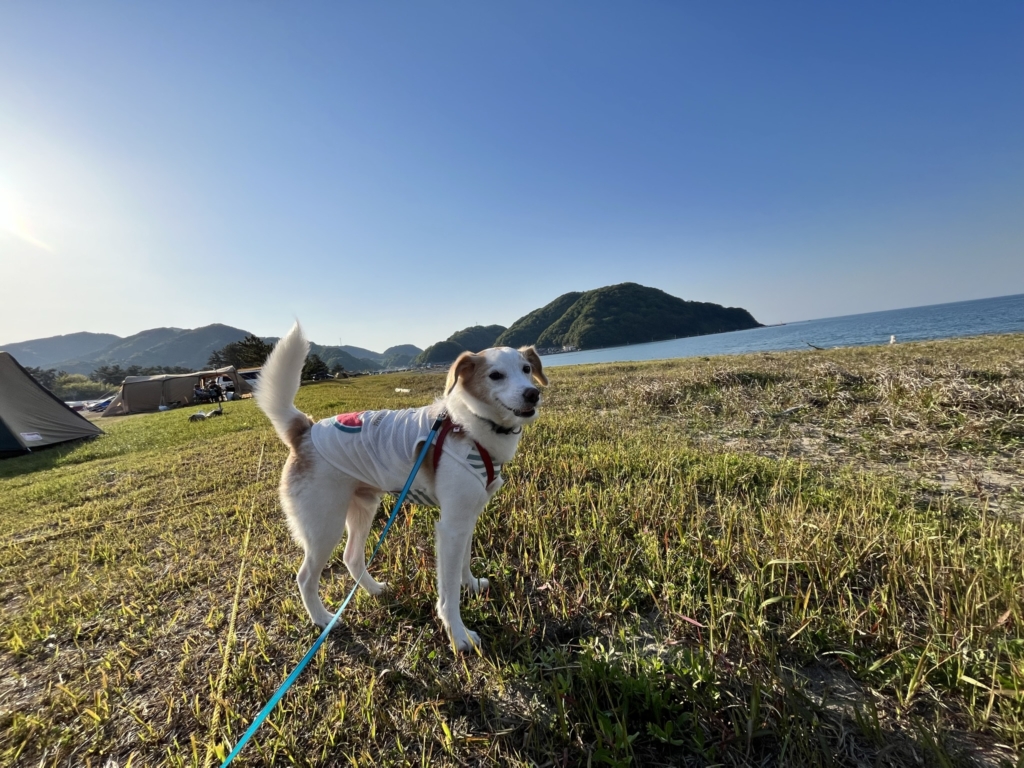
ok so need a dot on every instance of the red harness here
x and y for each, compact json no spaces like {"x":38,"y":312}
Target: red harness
{"x":451,"y":426}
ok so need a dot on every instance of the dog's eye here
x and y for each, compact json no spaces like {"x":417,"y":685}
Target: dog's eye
{"x":496,"y":376}
{"x":526,"y":369}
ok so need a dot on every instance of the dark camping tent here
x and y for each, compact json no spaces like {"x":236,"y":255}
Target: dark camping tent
{"x":31,"y":416}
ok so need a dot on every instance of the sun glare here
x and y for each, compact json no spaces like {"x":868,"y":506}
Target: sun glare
{"x":16,"y":222}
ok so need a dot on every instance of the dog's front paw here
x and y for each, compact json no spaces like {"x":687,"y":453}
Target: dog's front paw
{"x":321,"y":620}
{"x":476,"y":586}
{"x":466,"y":640}
{"x":371,"y":585}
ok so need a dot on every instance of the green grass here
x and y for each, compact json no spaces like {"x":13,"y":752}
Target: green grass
{"x":791,"y":559}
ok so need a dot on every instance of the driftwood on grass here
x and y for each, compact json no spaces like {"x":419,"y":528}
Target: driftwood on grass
{"x":789,"y":411}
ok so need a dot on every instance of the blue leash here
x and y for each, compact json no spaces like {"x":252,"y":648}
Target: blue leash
{"x":279,"y":694}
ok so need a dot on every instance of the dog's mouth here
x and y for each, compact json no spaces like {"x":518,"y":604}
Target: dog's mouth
{"x":523,"y":413}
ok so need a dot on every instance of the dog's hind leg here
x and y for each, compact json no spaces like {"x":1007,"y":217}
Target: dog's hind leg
{"x":361,"y":511}
{"x":316,"y":515}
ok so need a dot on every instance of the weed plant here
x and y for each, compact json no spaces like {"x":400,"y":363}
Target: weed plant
{"x":786,"y":559}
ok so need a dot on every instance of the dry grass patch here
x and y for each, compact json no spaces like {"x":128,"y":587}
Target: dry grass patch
{"x":674,"y":582}
{"x":951,"y":412}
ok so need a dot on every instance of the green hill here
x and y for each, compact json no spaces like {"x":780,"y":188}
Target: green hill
{"x":632,"y":314}
{"x":477,"y":337}
{"x":612,"y":316}
{"x":400,"y":356}
{"x":526,"y":330}
{"x":472,"y":339}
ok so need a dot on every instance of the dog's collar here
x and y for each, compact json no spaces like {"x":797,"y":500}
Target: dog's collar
{"x":498,"y":429}
{"x":495,"y":426}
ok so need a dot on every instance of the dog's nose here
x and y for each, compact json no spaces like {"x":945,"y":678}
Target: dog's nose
{"x":531,"y":395}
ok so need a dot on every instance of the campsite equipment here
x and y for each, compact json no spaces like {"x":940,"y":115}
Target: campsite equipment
{"x":145,"y":394}
{"x":280,"y":692}
{"x":33,"y":417}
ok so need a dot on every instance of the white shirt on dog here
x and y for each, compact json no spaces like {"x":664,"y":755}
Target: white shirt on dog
{"x":380,"y":447}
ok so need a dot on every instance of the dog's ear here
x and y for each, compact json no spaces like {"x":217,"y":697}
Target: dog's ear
{"x":462,"y":368}
{"x":536,"y":367}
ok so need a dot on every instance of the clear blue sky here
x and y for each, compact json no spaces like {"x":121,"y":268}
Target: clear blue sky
{"x":392,"y":172}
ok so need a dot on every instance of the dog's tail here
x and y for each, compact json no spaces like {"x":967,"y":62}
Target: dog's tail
{"x":278,"y":384}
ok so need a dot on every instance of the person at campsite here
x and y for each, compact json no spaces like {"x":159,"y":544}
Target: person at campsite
{"x":216,"y":392}
{"x":202,"y":393}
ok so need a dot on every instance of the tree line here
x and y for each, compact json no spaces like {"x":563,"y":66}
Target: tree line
{"x":252,"y":352}
{"x":105,"y":374}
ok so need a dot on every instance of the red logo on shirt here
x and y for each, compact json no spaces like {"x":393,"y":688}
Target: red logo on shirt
{"x":349,"y":422}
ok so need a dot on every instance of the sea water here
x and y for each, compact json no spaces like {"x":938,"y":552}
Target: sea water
{"x":1004,"y":314}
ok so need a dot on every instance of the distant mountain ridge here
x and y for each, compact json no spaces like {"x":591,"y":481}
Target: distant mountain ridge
{"x":360,"y":353}
{"x":400,"y":356}
{"x":184,"y":347}
{"x":339,"y":356}
{"x":615,"y":315}
{"x":40,"y":353}
{"x":179,"y":347}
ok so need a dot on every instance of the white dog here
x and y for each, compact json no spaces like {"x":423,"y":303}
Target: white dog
{"x":340,"y":467}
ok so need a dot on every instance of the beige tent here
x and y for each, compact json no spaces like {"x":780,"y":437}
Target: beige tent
{"x":33,"y":417}
{"x":144,"y":394}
